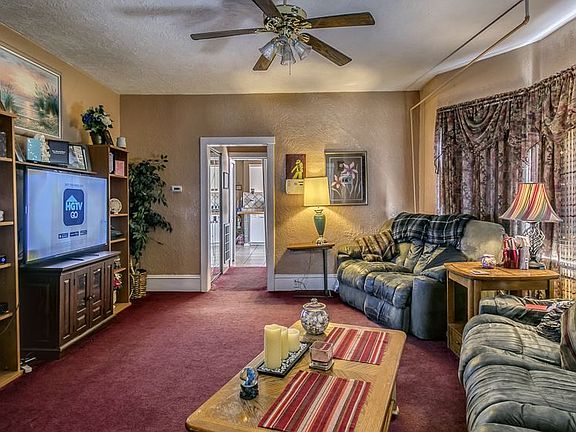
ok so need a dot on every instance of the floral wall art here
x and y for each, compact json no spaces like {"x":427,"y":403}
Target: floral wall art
{"x":346,"y":172}
{"x":32,"y":92}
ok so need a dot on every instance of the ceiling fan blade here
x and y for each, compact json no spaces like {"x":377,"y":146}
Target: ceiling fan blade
{"x":268,"y":7}
{"x":347,"y":20}
{"x":226,"y":33}
{"x":263,"y":63}
{"x":327,"y":51}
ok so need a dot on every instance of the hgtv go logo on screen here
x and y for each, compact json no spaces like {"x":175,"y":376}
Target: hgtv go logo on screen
{"x":73,"y":207}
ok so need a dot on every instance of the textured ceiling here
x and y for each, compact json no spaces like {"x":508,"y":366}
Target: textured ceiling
{"x":143,"y":46}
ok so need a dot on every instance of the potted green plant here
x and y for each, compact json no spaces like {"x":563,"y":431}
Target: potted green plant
{"x":146,"y":193}
{"x":98,"y":121}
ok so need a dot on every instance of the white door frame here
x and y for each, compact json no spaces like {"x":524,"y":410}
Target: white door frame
{"x":206,"y":142}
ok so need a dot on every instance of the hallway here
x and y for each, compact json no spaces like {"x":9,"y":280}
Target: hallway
{"x":250,"y":256}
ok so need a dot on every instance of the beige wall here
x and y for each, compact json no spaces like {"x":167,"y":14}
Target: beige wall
{"x":506,"y":72}
{"x":301,"y":123}
{"x":79,"y":91}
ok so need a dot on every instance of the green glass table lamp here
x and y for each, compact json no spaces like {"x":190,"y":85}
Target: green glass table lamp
{"x":316,"y":195}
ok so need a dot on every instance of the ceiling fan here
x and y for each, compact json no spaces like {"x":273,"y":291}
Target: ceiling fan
{"x":289,"y":23}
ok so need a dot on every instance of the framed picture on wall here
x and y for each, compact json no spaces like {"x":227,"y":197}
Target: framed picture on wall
{"x":347,"y":179}
{"x":31,"y":91}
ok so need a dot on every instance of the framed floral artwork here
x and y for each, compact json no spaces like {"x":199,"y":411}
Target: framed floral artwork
{"x":346,"y":172}
{"x":31,"y":91}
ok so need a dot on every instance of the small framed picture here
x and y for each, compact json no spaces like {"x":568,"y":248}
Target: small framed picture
{"x":119,"y":168}
{"x":78,"y":157}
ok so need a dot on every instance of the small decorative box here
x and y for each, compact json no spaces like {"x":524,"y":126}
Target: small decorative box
{"x":321,"y":352}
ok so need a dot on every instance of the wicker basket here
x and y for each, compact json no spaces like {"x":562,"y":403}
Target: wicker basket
{"x":138,"y":283}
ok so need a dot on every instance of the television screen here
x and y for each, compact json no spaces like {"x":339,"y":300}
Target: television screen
{"x":65,"y":213}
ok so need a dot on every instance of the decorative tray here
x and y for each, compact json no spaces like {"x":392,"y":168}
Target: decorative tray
{"x":287,"y":364}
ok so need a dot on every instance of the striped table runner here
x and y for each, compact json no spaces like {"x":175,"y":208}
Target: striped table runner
{"x":364,"y":346}
{"x":313,"y":402}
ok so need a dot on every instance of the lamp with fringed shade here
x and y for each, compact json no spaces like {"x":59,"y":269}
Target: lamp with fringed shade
{"x":531,"y":204}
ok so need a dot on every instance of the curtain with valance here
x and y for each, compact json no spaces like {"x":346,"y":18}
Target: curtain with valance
{"x":485,"y":147}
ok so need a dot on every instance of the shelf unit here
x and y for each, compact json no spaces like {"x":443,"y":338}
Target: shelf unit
{"x":103,"y":158}
{"x":9,"y":322}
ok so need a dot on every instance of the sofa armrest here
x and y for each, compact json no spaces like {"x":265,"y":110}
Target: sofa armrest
{"x":437,"y":273}
{"x":515,"y":308}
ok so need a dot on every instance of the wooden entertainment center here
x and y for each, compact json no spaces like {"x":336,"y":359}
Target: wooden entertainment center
{"x":46,"y":308}
{"x":63,"y":302}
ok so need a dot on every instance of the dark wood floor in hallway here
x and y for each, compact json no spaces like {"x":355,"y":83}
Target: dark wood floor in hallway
{"x":161,"y":358}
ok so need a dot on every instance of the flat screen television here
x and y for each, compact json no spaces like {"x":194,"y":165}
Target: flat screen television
{"x":64,"y":214}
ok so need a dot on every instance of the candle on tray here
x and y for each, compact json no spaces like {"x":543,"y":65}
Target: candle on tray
{"x":284,"y":334}
{"x":293,"y":339}
{"x":273,"y":346}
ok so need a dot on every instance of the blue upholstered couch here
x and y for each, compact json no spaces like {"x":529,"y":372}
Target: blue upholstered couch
{"x":403,"y":293}
{"x":512,"y":376}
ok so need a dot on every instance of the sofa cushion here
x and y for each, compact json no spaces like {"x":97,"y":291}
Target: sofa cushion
{"x":416,"y":249}
{"x":514,"y":307}
{"x":511,"y":391}
{"x":353,"y":272}
{"x":549,"y":326}
{"x":381,"y":244}
{"x":403,"y":250}
{"x":496,"y":334}
{"x":568,"y":341}
{"x":394,"y":287}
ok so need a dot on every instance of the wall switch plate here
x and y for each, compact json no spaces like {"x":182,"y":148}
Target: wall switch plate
{"x":176,"y":188}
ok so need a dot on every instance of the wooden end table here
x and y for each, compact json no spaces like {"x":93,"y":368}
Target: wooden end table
{"x":476,"y":279}
{"x":226,"y":412}
{"x":324,"y":247}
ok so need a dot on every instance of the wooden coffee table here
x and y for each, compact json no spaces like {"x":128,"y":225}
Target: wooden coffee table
{"x":226,"y":412}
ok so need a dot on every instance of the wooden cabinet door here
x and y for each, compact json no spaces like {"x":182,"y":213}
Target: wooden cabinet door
{"x":97,"y":296}
{"x":108,"y":287}
{"x":67,"y":292}
{"x":80,"y":301}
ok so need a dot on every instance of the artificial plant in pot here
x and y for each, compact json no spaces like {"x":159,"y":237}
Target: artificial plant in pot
{"x":97,"y":121}
{"x":146,"y":193}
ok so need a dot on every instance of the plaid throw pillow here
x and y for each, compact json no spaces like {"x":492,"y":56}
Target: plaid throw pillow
{"x":549,"y":326}
{"x":568,"y":340}
{"x":381,"y":245}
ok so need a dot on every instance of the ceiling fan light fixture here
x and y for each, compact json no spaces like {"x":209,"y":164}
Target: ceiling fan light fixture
{"x":270,"y":49}
{"x":301,"y":49}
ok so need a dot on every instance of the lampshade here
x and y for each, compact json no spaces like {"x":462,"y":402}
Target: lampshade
{"x":269,"y":50}
{"x":287,"y":57}
{"x":316,"y":192}
{"x":531,"y":204}
{"x":301,"y":49}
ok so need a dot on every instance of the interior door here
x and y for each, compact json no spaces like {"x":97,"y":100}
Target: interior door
{"x":215,"y":183}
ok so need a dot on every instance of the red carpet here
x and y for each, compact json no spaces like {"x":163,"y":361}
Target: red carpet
{"x":161,"y":358}
{"x":241,"y":279}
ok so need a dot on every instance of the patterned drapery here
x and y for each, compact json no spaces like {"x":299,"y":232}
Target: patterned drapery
{"x":485,"y":147}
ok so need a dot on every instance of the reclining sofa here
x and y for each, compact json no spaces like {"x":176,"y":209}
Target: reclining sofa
{"x":513,"y":376}
{"x":408,"y":292}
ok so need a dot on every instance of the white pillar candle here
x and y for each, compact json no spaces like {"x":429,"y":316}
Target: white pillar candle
{"x":293,"y":339}
{"x":272,"y":346}
{"x":285,"y":350}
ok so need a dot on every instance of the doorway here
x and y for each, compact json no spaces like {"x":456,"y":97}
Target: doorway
{"x":249,"y":211}
{"x":236,"y":214}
